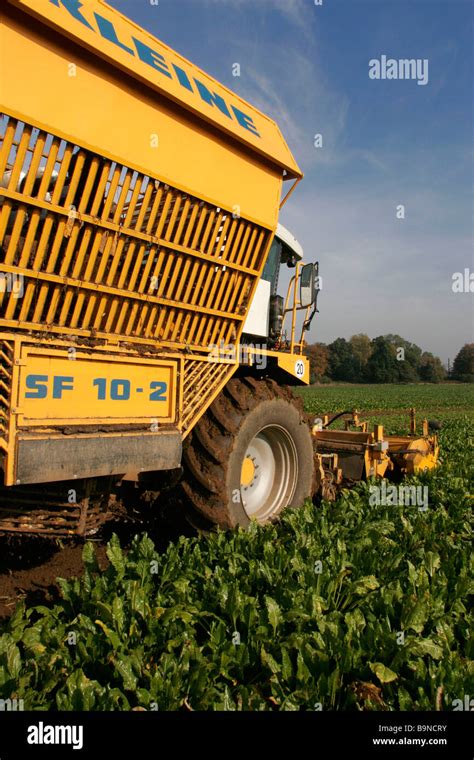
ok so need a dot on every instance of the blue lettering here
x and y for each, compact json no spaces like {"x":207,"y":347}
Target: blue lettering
{"x":73,"y":6}
{"x":60,"y":384}
{"x":120,"y":390}
{"x":245,"y":121}
{"x":38,"y":386}
{"x":107,"y":30}
{"x":159,"y":391}
{"x":212,"y":99}
{"x":183,"y":78}
{"x":154,"y":59}
{"x":151,"y":57}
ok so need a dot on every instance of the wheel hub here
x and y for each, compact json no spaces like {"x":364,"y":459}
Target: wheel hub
{"x":248,"y":472}
{"x":269,"y":473}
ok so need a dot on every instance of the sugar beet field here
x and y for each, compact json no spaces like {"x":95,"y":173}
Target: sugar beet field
{"x":344,"y":606}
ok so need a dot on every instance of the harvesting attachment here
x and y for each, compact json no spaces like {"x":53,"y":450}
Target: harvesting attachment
{"x":344,"y":457}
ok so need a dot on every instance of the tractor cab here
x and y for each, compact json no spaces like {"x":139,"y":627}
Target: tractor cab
{"x":269,"y":308}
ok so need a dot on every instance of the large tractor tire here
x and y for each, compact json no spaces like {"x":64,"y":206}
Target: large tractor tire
{"x":249,"y":457}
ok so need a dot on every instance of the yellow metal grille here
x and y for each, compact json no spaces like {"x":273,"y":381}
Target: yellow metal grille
{"x":104,"y":250}
{"x":201,"y":380}
{"x":6,"y":369}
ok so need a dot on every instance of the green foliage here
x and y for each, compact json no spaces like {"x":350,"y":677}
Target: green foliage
{"x":382,"y":366}
{"x":447,"y":401}
{"x":245,"y":620}
{"x":343,"y":364}
{"x":431,"y":370}
{"x":361,"y":348}
{"x":386,"y":359}
{"x":463,"y":366}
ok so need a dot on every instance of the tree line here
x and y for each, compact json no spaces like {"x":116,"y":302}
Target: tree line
{"x":386,"y":359}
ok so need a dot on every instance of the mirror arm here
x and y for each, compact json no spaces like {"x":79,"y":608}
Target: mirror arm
{"x":307,"y":322}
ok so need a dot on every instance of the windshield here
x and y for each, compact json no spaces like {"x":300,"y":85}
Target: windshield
{"x":272,"y":267}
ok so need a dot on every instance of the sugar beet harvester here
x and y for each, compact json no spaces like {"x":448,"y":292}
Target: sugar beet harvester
{"x":142,"y":335}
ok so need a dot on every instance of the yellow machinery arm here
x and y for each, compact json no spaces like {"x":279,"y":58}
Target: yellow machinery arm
{"x":353,"y":454}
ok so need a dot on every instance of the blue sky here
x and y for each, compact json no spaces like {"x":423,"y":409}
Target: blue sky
{"x":385,"y":143}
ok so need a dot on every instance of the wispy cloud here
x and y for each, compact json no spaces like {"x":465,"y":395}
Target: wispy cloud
{"x":275,"y":77}
{"x":295,"y":11}
{"x":271,"y":75}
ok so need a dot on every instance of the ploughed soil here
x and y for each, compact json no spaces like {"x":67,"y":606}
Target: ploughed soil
{"x":30,"y":566}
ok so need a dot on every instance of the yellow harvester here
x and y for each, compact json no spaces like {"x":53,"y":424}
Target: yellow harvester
{"x":141,"y":327}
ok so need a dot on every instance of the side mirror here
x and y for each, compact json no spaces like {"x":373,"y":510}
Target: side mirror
{"x":308,"y":285}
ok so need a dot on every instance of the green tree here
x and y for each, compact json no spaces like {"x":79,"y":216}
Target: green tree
{"x":382,"y":366}
{"x":342,"y":362}
{"x":361,"y":348}
{"x":431,"y":369}
{"x":463,"y":365}
{"x":407,"y":373}
{"x":408,"y":357}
